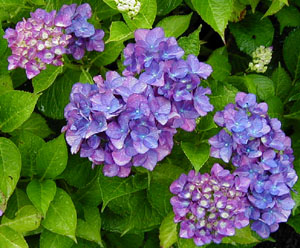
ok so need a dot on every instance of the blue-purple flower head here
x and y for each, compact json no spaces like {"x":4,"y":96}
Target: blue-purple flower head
{"x":127,"y":121}
{"x":44,"y":37}
{"x":36,"y":42}
{"x":211,"y":206}
{"x":261,"y":151}
{"x":74,"y":19}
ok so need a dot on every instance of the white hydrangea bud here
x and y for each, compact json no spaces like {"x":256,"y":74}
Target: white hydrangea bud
{"x":132,"y":7}
{"x":261,"y":58}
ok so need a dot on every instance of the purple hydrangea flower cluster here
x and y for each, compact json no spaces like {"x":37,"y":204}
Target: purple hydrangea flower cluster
{"x":262,"y":152}
{"x":125,"y":121}
{"x":36,"y":42}
{"x":73,"y":19}
{"x":209,"y":207}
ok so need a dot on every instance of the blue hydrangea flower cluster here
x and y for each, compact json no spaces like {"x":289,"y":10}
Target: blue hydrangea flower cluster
{"x":262,"y":152}
{"x":125,"y":121}
{"x":73,"y":19}
{"x":44,"y":37}
{"x":209,"y":207}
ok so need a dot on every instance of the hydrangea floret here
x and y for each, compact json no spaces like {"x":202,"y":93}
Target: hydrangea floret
{"x":261,"y":151}
{"x":211,"y":206}
{"x":131,"y":7}
{"x":127,"y":121}
{"x":44,"y":37}
{"x":261,"y":58}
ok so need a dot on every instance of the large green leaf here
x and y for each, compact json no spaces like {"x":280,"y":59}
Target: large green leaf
{"x":16,"y":107}
{"x":46,"y":78}
{"x":10,"y":238}
{"x":79,"y":171}
{"x":295,"y":223}
{"x":10,"y":166}
{"x":190,"y":44}
{"x":198,"y":154}
{"x":115,"y":240}
{"x":291,"y":53}
{"x":3,"y":42}
{"x":175,"y":25}
{"x":215,"y":12}
{"x":89,"y":228}
{"x":242,"y":237}
{"x":41,"y":194}
{"x":167,"y":231}
{"x":288,"y":17}
{"x":61,"y":216}
{"x":52,"y":158}
{"x":56,"y":97}
{"x":50,"y":239}
{"x":282,"y":82}
{"x":274,"y":7}
{"x":36,"y":124}
{"x":29,"y":145}
{"x":145,"y":17}
{"x":219,"y":62}
{"x":164,"y":7}
{"x":252,"y":32}
{"x":119,"y":31}
{"x":27,"y":219}
{"x":110,"y":54}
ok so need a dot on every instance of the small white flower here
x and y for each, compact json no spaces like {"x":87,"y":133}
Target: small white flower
{"x":132,"y":7}
{"x":261,"y":58}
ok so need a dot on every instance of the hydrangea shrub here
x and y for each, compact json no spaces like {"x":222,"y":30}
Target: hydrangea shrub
{"x":146,"y":123}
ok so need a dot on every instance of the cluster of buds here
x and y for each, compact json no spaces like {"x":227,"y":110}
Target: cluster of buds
{"x":261,"y":151}
{"x":44,"y":37}
{"x":131,"y":7}
{"x":209,"y":207}
{"x":261,"y":58}
{"x":125,"y":121}
{"x":36,"y":42}
{"x":73,"y":19}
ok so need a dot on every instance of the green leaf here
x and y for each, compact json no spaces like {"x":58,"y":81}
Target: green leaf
{"x":41,"y":194}
{"x":111,"y":3}
{"x":139,"y":216}
{"x":27,"y":219}
{"x":12,"y":4}
{"x":260,"y":85}
{"x":18,"y":200}
{"x":110,"y":54}
{"x":288,"y":17}
{"x":205,"y":123}
{"x":78,"y":172}
{"x":10,"y":166}
{"x":46,"y":78}
{"x":198,"y":154}
{"x":294,"y":221}
{"x":10,"y":238}
{"x":282,"y":82}
{"x":29,"y":145}
{"x":38,"y":2}
{"x":167,"y":231}
{"x":119,"y":31}
{"x":215,"y":12}
{"x":50,"y":239}
{"x":56,"y":97}
{"x":252,"y":3}
{"x":274,"y":7}
{"x":145,"y":17}
{"x":242,"y":236}
{"x":291,"y":53}
{"x":164,"y":7}
{"x":16,"y":107}
{"x":252,"y":32}
{"x":52,"y":158}
{"x":89,"y":228}
{"x":275,"y":109}
{"x":191,"y":44}
{"x":176,"y":25}
{"x":61,"y":216}
{"x":219,"y":62}
{"x":36,"y":124}
{"x":3,"y":42}
{"x":115,"y":240}
{"x":85,"y":77}
{"x":114,"y":187}
{"x":186,"y":243}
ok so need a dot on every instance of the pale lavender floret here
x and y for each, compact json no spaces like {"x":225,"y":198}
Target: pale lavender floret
{"x":263,"y":155}
{"x":95,"y":42}
{"x":209,"y":207}
{"x":222,"y":145}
